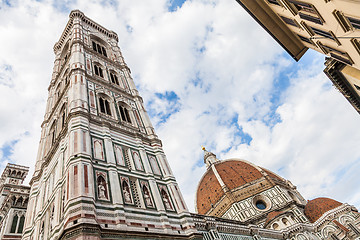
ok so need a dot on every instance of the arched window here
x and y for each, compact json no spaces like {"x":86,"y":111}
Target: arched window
{"x":14,"y":224}
{"x":98,"y":71}
{"x":124,"y":113}
{"x":19,"y":201}
{"x":275,"y":226}
{"x":53,"y":133}
{"x":104,"y":106}
{"x":285,"y":221}
{"x":62,"y":117}
{"x":65,"y":53}
{"x":99,"y":48}
{"x":13,"y":199}
{"x":114,"y":78}
{"x":21,"y":224}
{"x":58,"y":91}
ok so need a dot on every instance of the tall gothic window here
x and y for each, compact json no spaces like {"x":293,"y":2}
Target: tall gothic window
{"x":58,"y":91}
{"x":104,"y":106}
{"x":98,"y":48}
{"x":17,"y":224}
{"x":98,"y":71}
{"x":53,"y":133}
{"x":62,"y":116}
{"x":63,"y":119}
{"x":124,"y":113}
{"x":14,"y":224}
{"x":114,"y":78}
{"x":21,"y":224}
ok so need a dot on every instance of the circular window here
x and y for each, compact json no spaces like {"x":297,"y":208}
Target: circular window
{"x":260,"y":204}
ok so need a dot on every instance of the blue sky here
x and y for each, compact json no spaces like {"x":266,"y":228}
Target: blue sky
{"x":209,"y":75}
{"x":174,"y":5}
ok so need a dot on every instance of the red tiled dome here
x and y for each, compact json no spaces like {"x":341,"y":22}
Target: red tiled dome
{"x":314,"y":209}
{"x":234,"y":173}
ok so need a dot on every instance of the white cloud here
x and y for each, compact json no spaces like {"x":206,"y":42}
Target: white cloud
{"x":224,"y":70}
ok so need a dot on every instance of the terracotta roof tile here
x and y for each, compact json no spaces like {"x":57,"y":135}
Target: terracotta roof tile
{"x":209,"y":192}
{"x":237,"y":173}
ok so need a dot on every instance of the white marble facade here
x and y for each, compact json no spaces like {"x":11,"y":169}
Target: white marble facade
{"x":99,"y":160}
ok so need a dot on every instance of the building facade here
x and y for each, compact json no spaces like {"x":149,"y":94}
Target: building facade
{"x":13,"y":201}
{"x":331,"y":27}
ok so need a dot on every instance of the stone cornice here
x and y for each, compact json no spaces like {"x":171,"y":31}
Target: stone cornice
{"x":206,"y":223}
{"x":81,"y":15}
{"x":333,"y":72}
{"x":96,"y":230}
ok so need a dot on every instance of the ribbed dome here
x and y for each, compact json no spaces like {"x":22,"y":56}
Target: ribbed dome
{"x":314,"y":209}
{"x":233,"y":173}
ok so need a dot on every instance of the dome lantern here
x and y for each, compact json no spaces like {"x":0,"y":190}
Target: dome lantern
{"x":209,"y":158}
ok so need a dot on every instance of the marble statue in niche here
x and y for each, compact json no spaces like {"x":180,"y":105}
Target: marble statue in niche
{"x":147,"y":196}
{"x":102,"y":189}
{"x":166,"y":199}
{"x":126,"y":191}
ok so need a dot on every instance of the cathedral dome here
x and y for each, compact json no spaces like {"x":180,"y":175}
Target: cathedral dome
{"x":315,"y":208}
{"x":229,"y":175}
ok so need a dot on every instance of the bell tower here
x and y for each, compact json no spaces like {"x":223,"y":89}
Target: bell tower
{"x":13,"y":201}
{"x":100,"y":171}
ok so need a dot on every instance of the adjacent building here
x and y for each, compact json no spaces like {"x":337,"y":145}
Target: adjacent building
{"x":14,"y":197}
{"x":331,"y":27}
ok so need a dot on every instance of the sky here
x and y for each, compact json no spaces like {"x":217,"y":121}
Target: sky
{"x":209,"y":76}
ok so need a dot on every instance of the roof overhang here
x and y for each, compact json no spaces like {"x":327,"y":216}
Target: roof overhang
{"x":271,"y":22}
